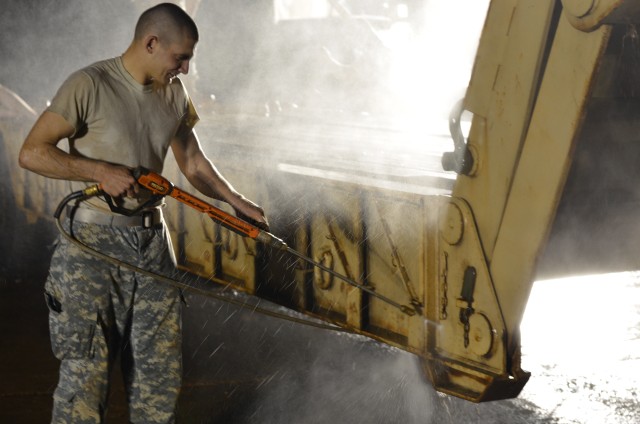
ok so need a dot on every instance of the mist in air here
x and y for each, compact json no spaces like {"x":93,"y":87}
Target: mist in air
{"x":392,"y":68}
{"x":379,"y":65}
{"x":362,"y":89}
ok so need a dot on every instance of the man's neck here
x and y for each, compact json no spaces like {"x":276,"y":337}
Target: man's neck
{"x":132,"y":65}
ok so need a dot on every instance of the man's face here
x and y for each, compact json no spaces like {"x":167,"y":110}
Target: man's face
{"x":172,"y":59}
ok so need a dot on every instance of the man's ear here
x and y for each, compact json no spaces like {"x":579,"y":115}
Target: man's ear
{"x":151,"y":43}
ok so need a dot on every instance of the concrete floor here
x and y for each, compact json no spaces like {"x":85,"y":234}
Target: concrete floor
{"x":243,"y":368}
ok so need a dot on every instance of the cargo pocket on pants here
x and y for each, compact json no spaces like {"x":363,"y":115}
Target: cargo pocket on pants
{"x":71,"y":337}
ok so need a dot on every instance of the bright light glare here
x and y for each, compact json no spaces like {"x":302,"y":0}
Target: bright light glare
{"x":581,"y":342}
{"x":431,"y":71}
{"x":583,"y":322}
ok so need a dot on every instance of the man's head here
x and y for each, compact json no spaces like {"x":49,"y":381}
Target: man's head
{"x":164,"y":43}
{"x":168,"y":21}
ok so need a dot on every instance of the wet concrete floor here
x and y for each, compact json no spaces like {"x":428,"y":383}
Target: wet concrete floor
{"x":581,"y":341}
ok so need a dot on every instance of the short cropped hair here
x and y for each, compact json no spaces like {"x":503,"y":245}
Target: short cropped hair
{"x":168,"y":21}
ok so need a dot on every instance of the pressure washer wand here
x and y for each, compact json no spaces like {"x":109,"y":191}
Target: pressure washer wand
{"x":157,"y":184}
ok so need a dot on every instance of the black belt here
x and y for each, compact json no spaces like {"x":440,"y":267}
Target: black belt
{"x":146,"y":219}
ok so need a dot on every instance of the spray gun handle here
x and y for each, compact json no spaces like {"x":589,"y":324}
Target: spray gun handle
{"x":154,"y":182}
{"x":160,"y":185}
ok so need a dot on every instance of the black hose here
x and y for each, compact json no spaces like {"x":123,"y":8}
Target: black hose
{"x":65,"y":202}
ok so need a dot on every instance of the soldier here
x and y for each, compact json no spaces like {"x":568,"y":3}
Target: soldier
{"x":118,"y":114}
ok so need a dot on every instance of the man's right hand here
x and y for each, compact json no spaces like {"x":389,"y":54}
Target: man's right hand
{"x":116,"y":180}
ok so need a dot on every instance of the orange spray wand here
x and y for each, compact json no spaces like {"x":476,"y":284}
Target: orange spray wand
{"x":159,"y":185}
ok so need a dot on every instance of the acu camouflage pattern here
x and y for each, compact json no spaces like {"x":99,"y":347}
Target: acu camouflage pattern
{"x":97,"y":310}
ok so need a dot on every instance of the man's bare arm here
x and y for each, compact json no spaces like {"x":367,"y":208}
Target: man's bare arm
{"x":40,"y":153}
{"x":206,"y":178}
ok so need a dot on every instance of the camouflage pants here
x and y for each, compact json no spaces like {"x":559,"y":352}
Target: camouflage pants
{"x":97,"y":310}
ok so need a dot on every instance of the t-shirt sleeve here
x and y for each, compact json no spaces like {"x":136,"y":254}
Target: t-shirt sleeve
{"x":191,"y":118}
{"x":73,"y":100}
{"x":188,"y":115}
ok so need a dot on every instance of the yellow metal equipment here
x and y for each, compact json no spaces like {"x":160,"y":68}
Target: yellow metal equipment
{"x":551,"y":86}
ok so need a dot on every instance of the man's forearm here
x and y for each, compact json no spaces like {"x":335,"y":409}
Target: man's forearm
{"x":114,"y":180}
{"x":40,"y":152}
{"x":206,"y":178}
{"x":50,"y":161}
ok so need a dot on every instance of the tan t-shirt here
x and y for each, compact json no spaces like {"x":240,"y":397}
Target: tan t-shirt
{"x":118,"y":120}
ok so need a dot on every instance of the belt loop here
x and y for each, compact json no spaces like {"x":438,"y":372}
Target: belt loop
{"x":147,"y":219}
